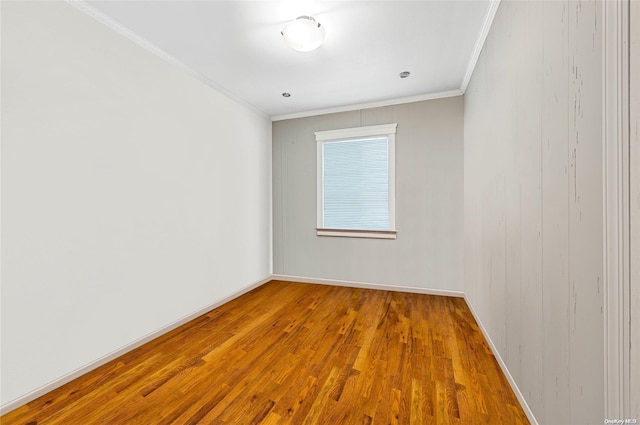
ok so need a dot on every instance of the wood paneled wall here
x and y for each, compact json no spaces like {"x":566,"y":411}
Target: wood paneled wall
{"x":429,"y":207}
{"x":533,"y":203}
{"x":634,"y":168}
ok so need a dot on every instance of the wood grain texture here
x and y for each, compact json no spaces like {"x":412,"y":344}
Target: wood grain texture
{"x":533,"y":216}
{"x":555,"y":215}
{"x":292,"y":353}
{"x":634,"y":201}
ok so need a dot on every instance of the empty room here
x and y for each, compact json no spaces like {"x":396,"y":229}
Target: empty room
{"x":319,"y":212}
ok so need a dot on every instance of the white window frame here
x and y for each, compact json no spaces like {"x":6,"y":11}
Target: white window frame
{"x":356,"y":133}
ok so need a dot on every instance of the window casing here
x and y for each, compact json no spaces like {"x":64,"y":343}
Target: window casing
{"x":356,"y":182}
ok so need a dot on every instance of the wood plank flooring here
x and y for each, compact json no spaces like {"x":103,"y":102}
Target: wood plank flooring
{"x":293,"y":353}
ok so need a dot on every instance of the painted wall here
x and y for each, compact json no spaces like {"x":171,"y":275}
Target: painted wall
{"x":132,"y":193}
{"x":533,"y":203}
{"x":428,"y":250}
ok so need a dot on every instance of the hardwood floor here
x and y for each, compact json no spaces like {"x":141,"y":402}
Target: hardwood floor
{"x":292,"y":353}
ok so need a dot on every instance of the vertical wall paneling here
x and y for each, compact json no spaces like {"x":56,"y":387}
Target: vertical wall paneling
{"x":528,"y":140}
{"x":513,"y":205}
{"x":634,"y":201}
{"x":617,"y":171}
{"x":585,"y":211}
{"x":429,"y":200}
{"x":533,"y":203}
{"x":555,"y":213}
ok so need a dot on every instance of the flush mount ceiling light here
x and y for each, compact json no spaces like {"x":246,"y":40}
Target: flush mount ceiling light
{"x":304,"y":34}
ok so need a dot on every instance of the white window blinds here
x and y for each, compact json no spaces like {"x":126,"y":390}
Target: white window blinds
{"x":355,"y":176}
{"x":356,"y":182}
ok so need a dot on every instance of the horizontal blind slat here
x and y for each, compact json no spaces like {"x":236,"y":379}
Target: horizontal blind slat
{"x":356,"y":184}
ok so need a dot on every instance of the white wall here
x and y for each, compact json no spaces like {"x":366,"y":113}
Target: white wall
{"x":132,"y":194}
{"x":533,"y":203}
{"x":428,"y":250}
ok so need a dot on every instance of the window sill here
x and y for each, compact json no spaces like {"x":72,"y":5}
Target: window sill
{"x":345,"y":233}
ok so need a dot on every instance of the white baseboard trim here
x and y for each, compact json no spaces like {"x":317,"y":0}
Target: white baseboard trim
{"x":503,"y":366}
{"x":288,"y":278}
{"x":366,"y":285}
{"x":14,"y":404}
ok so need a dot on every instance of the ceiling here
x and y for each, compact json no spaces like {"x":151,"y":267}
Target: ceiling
{"x":236,"y":47}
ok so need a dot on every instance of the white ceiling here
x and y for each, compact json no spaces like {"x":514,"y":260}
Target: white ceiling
{"x":236,"y":47}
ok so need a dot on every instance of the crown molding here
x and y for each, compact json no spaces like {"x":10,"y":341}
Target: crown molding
{"x":482,"y":37}
{"x":152,"y":48}
{"x":145,"y":44}
{"x":368,"y":105}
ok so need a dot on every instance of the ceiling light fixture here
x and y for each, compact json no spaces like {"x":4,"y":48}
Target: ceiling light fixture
{"x":304,"y":34}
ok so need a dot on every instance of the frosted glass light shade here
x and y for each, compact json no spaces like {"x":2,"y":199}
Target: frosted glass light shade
{"x":304,"y":34}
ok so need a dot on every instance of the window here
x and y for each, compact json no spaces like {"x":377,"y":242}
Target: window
{"x":356,"y":182}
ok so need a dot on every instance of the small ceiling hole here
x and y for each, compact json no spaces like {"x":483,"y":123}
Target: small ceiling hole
{"x":404,"y":74}
{"x":285,"y":94}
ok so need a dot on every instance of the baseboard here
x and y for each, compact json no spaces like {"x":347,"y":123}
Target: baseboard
{"x":14,"y":404}
{"x":503,"y":366}
{"x":347,"y":283}
{"x":366,"y":285}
